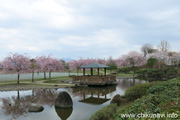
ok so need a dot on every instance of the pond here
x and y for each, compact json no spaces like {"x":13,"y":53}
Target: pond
{"x":14,"y":105}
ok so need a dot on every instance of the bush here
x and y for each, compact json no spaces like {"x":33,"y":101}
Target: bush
{"x":105,"y":113}
{"x":172,"y":73}
{"x":142,"y":72}
{"x":137,"y":91}
{"x":124,"y":70}
{"x":161,"y":98}
{"x":128,"y":69}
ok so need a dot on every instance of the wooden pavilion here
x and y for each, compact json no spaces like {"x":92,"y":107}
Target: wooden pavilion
{"x":94,"y":79}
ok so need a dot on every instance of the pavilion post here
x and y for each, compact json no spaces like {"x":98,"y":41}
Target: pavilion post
{"x":104,"y":71}
{"x":97,"y":71}
{"x":83,"y":71}
{"x":91,"y":71}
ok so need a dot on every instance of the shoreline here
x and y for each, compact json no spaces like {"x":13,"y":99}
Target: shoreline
{"x":28,"y":85}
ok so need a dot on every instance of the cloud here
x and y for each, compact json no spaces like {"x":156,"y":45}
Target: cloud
{"x":91,"y":28}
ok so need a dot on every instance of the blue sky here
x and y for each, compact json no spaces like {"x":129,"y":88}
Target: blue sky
{"x":86,"y":28}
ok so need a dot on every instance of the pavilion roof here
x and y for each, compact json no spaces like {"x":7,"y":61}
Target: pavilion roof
{"x":94,"y":65}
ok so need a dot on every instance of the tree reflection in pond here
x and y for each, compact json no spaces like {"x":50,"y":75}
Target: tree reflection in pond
{"x":18,"y":106}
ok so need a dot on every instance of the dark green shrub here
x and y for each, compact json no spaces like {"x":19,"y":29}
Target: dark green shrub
{"x":142,"y":72}
{"x":154,"y":73}
{"x":138,"y":91}
{"x":172,"y":73}
{"x":128,"y":69}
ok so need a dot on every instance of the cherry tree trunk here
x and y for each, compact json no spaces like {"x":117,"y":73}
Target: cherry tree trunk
{"x":33,"y":76}
{"x":45,"y":75}
{"x":50,"y":76}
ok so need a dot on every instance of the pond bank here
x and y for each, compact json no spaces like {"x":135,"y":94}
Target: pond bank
{"x":31,"y":86}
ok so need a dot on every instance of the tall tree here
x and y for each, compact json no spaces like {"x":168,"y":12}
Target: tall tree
{"x":33,"y":66}
{"x":164,"y":46}
{"x":42,"y":64}
{"x":112,"y":64}
{"x":151,"y":61}
{"x":133,"y":58}
{"x":53,"y":65}
{"x":146,"y":49}
{"x":16,"y":63}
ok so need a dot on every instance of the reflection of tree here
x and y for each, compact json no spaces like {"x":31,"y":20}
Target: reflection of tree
{"x":17,"y":106}
{"x":46,"y":96}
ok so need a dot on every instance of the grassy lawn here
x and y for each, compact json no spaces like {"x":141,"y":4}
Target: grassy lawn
{"x":53,"y":80}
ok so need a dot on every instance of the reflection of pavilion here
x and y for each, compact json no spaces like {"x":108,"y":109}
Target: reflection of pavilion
{"x":94,"y":79}
{"x":98,"y":95}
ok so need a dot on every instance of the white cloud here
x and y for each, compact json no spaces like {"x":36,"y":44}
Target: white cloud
{"x":91,"y":28}
{"x":43,"y":13}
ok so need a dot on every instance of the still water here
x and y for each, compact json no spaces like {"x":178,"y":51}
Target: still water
{"x":86,"y":101}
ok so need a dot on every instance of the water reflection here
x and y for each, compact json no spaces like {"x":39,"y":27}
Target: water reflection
{"x":86,"y":100}
{"x":126,"y":83}
{"x":17,"y":106}
{"x":64,"y":113}
{"x":94,"y":95}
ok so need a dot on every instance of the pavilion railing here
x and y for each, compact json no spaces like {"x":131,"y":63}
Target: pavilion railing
{"x":94,"y":79}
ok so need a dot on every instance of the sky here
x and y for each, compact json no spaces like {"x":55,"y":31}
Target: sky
{"x":86,"y":28}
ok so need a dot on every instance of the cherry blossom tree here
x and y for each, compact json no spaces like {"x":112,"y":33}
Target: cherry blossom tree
{"x":53,"y":64}
{"x":16,"y":63}
{"x":133,"y":58}
{"x":169,"y":58}
{"x":120,"y":62}
{"x":75,"y":64}
{"x":33,"y":67}
{"x":101,"y":61}
{"x":49,"y":64}
{"x":42,"y":64}
{"x":112,"y":64}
